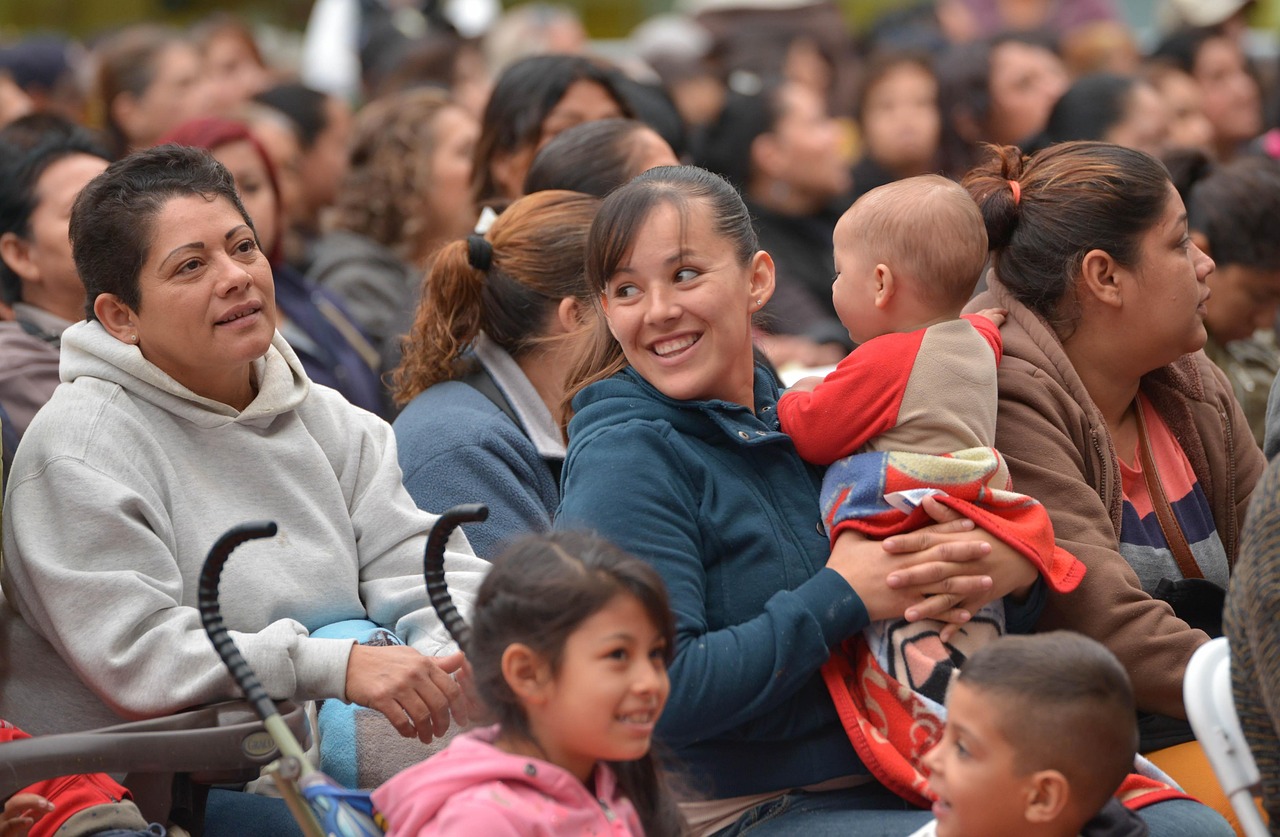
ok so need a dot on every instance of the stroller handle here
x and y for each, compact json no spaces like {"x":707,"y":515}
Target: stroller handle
{"x":211,"y":613}
{"x":433,"y":567}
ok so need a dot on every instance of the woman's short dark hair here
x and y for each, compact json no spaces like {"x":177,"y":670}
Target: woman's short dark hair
{"x":1075,"y":197}
{"x":526,"y":92}
{"x":114,"y":218}
{"x":593,"y":158}
{"x":28,"y":147}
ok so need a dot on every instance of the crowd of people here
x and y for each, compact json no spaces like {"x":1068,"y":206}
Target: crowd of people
{"x":860,"y":417}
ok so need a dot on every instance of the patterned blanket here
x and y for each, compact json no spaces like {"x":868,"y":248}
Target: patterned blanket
{"x":889,"y":683}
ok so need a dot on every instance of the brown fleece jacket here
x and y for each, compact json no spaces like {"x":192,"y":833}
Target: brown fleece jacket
{"x":1060,"y":451}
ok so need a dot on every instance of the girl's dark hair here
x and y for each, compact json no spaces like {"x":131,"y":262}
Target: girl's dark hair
{"x":1236,"y":206}
{"x":526,"y":92}
{"x":540,"y":589}
{"x":28,"y":147}
{"x":114,"y":218}
{"x":613,"y":235}
{"x":725,"y":146}
{"x":536,"y":261}
{"x":593,"y":158}
{"x":1075,"y":197}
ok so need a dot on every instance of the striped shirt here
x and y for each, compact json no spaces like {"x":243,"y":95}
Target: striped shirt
{"x":1142,"y":543}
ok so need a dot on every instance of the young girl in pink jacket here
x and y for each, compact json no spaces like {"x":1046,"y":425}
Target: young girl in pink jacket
{"x":569,"y":650}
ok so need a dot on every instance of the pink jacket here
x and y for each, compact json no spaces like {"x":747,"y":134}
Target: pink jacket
{"x":472,"y":787}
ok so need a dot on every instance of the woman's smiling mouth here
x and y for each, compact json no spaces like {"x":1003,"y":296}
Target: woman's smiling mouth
{"x":674,"y":346}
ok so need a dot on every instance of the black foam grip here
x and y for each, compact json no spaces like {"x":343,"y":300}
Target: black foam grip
{"x":211,"y":612}
{"x":433,"y":568}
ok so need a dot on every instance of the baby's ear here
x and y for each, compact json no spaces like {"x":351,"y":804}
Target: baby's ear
{"x":886,"y":285}
{"x":1048,"y":793}
{"x":527,"y":673}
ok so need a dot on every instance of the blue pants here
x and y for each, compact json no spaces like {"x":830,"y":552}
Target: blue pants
{"x":872,"y":810}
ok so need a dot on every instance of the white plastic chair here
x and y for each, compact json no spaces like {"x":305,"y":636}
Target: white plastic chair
{"x":1211,"y":709}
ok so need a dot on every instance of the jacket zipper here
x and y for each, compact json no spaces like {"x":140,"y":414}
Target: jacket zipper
{"x":1102,"y":473}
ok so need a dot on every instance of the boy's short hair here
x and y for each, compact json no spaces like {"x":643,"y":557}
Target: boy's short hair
{"x":1068,"y":706}
{"x":928,"y":228}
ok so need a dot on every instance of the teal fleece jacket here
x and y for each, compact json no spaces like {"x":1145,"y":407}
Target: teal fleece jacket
{"x":717,"y":499}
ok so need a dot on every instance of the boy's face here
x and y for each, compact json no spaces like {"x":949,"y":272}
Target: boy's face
{"x":974,"y":771}
{"x":853,"y":291}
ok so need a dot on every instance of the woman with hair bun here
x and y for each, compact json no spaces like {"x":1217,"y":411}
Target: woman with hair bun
{"x":1111,"y":415}
{"x":483,"y":371}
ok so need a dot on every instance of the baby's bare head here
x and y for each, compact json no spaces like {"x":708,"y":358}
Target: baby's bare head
{"x":927,"y":229}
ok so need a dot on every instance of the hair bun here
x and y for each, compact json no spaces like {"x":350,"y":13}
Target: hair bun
{"x":479,"y":252}
{"x":997,"y":187}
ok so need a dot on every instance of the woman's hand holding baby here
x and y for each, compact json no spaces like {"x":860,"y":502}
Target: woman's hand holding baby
{"x":418,"y":694}
{"x":1009,"y":572}
{"x":931,"y":590}
{"x":945,"y":571}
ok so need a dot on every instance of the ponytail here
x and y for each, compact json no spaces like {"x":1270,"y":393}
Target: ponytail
{"x":995,"y":187}
{"x":448,"y":320}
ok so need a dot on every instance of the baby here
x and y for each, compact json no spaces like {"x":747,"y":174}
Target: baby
{"x":1015,"y":759}
{"x":912,"y":411}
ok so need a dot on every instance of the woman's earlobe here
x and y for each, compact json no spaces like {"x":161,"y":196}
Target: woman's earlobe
{"x":15,"y":251}
{"x":763,"y":277}
{"x":116,"y":317}
{"x":1102,"y":278}
{"x":569,"y":314}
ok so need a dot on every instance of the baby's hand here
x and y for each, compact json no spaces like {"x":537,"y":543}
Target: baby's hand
{"x":995,"y":315}
{"x":806,"y":384}
{"x":20,"y":812}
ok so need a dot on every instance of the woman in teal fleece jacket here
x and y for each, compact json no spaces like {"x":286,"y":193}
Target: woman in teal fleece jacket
{"x":675,"y":453}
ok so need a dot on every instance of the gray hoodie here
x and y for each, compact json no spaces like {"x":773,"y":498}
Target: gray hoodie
{"x":124,"y":481}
